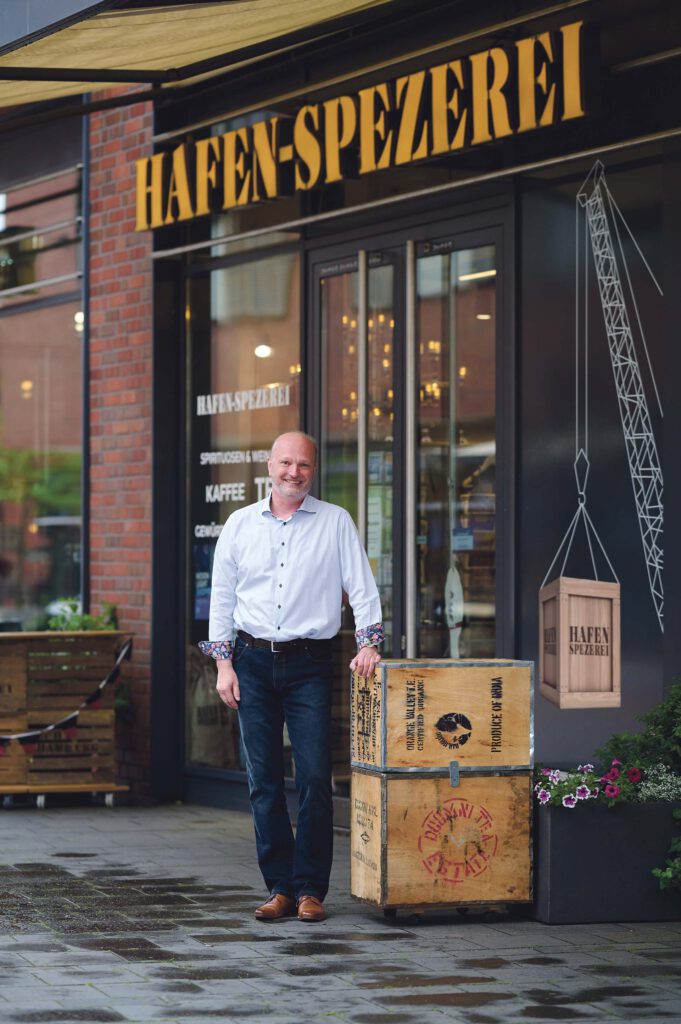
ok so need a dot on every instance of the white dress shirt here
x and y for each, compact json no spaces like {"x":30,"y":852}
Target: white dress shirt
{"x":283,"y":580}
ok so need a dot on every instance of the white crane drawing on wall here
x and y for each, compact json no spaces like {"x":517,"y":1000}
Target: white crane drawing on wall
{"x":602,"y":235}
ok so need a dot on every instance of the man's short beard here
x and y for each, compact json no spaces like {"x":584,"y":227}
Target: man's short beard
{"x":300,"y":492}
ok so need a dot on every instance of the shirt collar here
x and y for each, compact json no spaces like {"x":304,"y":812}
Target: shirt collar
{"x":309,"y":504}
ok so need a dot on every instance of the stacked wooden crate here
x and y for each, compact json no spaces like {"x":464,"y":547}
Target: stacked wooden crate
{"x":442,"y":783}
{"x":45,"y":677}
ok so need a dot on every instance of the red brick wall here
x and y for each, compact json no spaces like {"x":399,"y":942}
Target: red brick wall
{"x":121,"y":289}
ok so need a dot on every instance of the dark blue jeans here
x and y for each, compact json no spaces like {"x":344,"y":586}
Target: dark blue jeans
{"x":294,"y":688}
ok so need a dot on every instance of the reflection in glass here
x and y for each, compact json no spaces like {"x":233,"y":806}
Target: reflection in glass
{"x":40,"y":400}
{"x":40,"y":238}
{"x":40,"y":463}
{"x":341,"y":412}
{"x":339,"y":330}
{"x":380,"y":420}
{"x":243,"y":334}
{"x":456,"y":505}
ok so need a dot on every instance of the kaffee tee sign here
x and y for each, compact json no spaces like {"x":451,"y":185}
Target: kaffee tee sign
{"x":492,"y":94}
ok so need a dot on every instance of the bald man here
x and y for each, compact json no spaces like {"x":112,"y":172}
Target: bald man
{"x":281,"y":566}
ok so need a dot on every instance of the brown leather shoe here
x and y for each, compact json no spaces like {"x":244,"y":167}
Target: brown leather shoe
{"x":310,"y":909}
{"x":275,"y":907}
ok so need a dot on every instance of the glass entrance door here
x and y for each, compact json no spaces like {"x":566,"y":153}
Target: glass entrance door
{"x":455,"y":451}
{"x":408,"y":337}
{"x":357,"y":325}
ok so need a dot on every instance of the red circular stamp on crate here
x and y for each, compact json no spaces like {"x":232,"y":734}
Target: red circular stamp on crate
{"x":458,"y":840}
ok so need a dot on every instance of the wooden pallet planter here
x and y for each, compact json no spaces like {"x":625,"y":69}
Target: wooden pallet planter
{"x":44,"y":677}
{"x":13,"y":761}
{"x":83,"y":755}
{"x":441,"y":784}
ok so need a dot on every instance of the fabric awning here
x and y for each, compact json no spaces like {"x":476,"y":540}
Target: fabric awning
{"x":164,"y":45}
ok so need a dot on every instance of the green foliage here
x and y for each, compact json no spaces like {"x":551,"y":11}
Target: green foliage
{"x":51,"y":481}
{"x":659,"y":742}
{"x":70,"y":619}
{"x":670,"y":875}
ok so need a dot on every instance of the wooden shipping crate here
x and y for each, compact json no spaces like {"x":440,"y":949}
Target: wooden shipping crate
{"x":415,"y":715}
{"x":14,"y":760}
{"x":579,"y":643}
{"x":84,"y":754}
{"x":417,"y":841}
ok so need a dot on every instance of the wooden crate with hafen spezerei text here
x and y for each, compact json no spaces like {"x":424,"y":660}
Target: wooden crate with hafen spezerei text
{"x":442,"y":759}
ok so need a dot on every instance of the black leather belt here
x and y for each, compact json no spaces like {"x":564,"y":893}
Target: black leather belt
{"x":281,"y":646}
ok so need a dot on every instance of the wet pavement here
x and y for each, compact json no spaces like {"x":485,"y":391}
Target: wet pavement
{"x":146,"y":915}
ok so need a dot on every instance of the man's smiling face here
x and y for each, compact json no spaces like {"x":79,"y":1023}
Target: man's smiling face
{"x":292,"y":466}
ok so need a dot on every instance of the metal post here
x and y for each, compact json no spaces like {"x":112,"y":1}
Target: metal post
{"x":362,"y":389}
{"x":410,"y":454}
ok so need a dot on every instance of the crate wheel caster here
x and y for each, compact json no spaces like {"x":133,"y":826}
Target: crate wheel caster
{"x":7,"y":802}
{"x":463,"y":910}
{"x":109,"y":799}
{"x":390,"y":913}
{"x":415,"y":917}
{"x":40,"y":801}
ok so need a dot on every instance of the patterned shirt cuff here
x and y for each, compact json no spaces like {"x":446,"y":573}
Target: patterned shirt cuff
{"x":218,"y":649}
{"x":370,"y":636}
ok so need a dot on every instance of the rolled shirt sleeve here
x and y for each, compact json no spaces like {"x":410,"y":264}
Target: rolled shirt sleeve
{"x":222,"y":599}
{"x":360,"y":585}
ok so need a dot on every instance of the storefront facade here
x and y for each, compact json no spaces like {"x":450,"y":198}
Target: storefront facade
{"x":449,"y":252}
{"x":400,"y":258}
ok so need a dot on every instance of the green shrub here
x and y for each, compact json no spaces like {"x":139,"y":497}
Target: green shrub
{"x":659,"y":742}
{"x":70,"y":619}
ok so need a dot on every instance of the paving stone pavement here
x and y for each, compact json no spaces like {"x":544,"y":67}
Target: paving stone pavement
{"x":146,"y":915}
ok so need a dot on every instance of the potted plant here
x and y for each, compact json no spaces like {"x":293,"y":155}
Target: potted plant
{"x":605,"y":843}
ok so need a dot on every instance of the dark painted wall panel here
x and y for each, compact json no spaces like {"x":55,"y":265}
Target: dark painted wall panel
{"x":546,"y":486}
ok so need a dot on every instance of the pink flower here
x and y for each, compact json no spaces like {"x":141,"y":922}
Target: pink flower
{"x":612,"y":791}
{"x":595,"y":791}
{"x":543,"y":796}
{"x":615,"y":761}
{"x":584,"y":768}
{"x":582,"y":792}
{"x":546,"y":771}
{"x":634,"y":774}
{"x":554,"y":776}
{"x":570,"y":800}
{"x":612,"y":776}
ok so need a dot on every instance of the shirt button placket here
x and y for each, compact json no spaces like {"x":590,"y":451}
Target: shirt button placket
{"x":280,"y":582}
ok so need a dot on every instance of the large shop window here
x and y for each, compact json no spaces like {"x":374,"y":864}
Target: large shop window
{"x":456,"y":456}
{"x":41,"y":335}
{"x":243,"y":377}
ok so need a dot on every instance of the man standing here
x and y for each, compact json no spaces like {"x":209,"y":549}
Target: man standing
{"x":281,"y":566}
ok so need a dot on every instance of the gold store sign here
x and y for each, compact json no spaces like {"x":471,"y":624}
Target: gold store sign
{"x":493,"y":94}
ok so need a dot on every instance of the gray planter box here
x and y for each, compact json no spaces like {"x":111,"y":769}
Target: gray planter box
{"x":594,"y":863}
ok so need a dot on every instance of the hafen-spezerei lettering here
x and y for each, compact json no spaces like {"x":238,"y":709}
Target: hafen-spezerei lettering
{"x":593,"y":641}
{"x":493,"y":94}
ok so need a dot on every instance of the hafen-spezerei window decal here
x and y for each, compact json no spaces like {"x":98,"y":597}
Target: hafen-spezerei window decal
{"x":579,"y":619}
